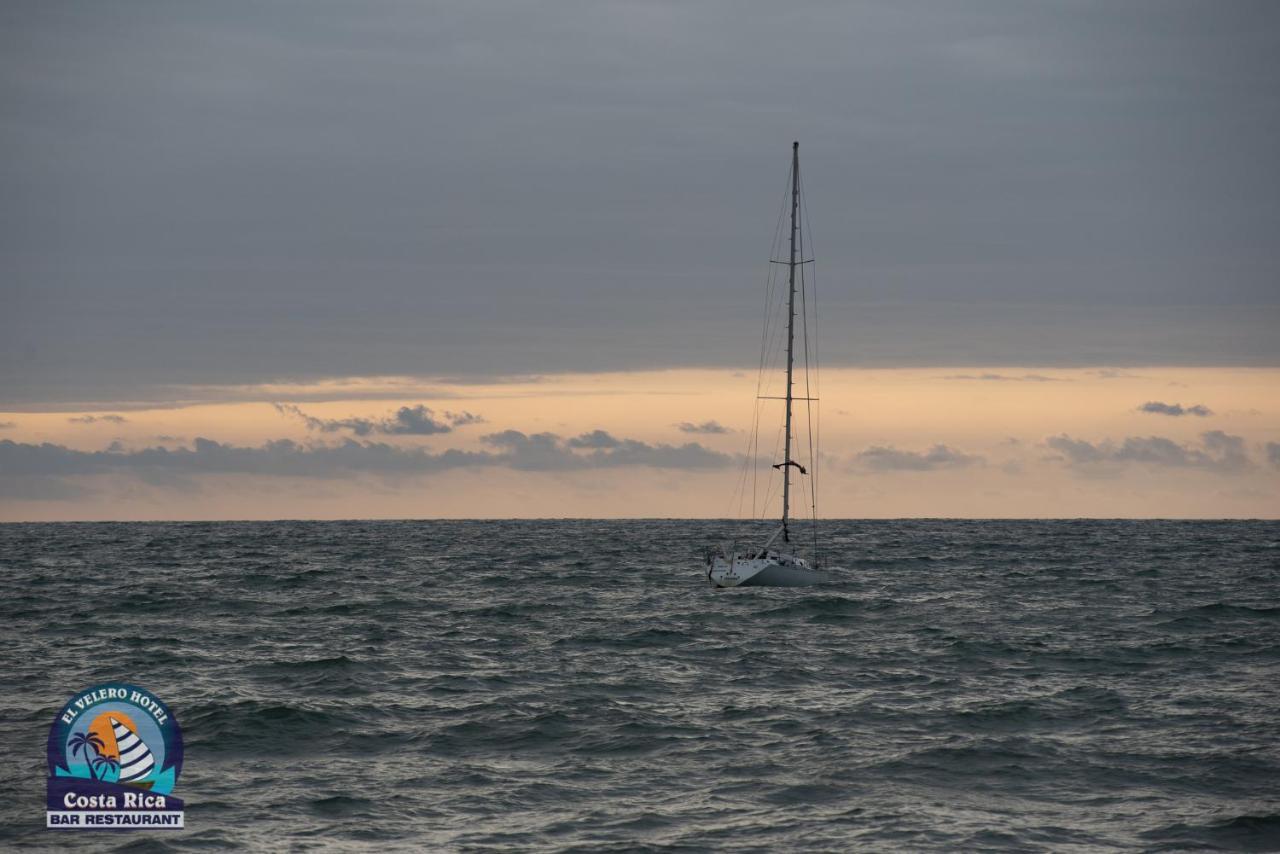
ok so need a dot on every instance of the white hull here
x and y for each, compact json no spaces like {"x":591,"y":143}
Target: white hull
{"x":773,"y":570}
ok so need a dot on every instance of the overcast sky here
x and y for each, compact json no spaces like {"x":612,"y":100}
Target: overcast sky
{"x":239,"y":192}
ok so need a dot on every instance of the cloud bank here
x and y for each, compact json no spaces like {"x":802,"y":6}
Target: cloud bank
{"x":547,"y":452}
{"x":1217,"y":451}
{"x":30,"y":463}
{"x":888,"y":458}
{"x":1045,"y":227}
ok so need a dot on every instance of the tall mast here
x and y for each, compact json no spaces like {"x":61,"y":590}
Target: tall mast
{"x":791,"y":336}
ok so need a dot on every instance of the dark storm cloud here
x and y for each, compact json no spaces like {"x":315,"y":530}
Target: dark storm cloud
{"x":882,"y":458}
{"x":1273,"y":453}
{"x":405,"y":421}
{"x":1218,"y":451}
{"x":234,"y":192}
{"x":706,"y":427}
{"x":1155,"y":407}
{"x":24,"y":463}
{"x":94,"y":419}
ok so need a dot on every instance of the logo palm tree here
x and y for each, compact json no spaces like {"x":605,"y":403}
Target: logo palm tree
{"x":86,"y":740}
{"x":110,"y":763}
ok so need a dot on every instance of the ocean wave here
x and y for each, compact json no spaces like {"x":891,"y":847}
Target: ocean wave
{"x":576,"y":685}
{"x":1240,"y":833}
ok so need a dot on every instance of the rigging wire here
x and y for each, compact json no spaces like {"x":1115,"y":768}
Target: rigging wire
{"x":815,"y":434}
{"x":772,"y":351}
{"x":770,"y":337}
{"x":768,"y":334}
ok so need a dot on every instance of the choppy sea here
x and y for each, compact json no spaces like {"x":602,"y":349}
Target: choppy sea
{"x":575,"y":685}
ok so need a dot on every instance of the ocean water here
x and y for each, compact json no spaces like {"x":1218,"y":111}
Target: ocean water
{"x":1022,"y":686}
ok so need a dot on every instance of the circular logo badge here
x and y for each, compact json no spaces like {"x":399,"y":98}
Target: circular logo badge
{"x":115,"y":753}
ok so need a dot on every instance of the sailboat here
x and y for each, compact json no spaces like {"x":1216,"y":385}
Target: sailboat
{"x":777,"y":562}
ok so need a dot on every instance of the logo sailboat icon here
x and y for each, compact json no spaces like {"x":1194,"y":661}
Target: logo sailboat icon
{"x":136,"y":761}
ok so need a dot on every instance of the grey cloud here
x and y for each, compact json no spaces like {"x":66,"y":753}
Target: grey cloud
{"x":405,"y":421}
{"x":1078,"y":451}
{"x":1157,"y":408}
{"x":888,"y":458}
{"x":491,"y":379}
{"x":94,"y":419}
{"x":1273,"y":453}
{"x":989,"y":377}
{"x":1218,"y":451}
{"x":1155,"y":450}
{"x":359,"y":426}
{"x":536,"y":452}
{"x":690,"y":455}
{"x":706,"y":427}
{"x":284,"y":457}
{"x":994,"y":202}
{"x":414,"y":421}
{"x":594,"y":439}
{"x":1225,"y":452}
{"x":546,"y":451}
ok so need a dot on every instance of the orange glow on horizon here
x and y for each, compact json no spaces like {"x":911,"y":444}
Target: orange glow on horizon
{"x":996,"y":418}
